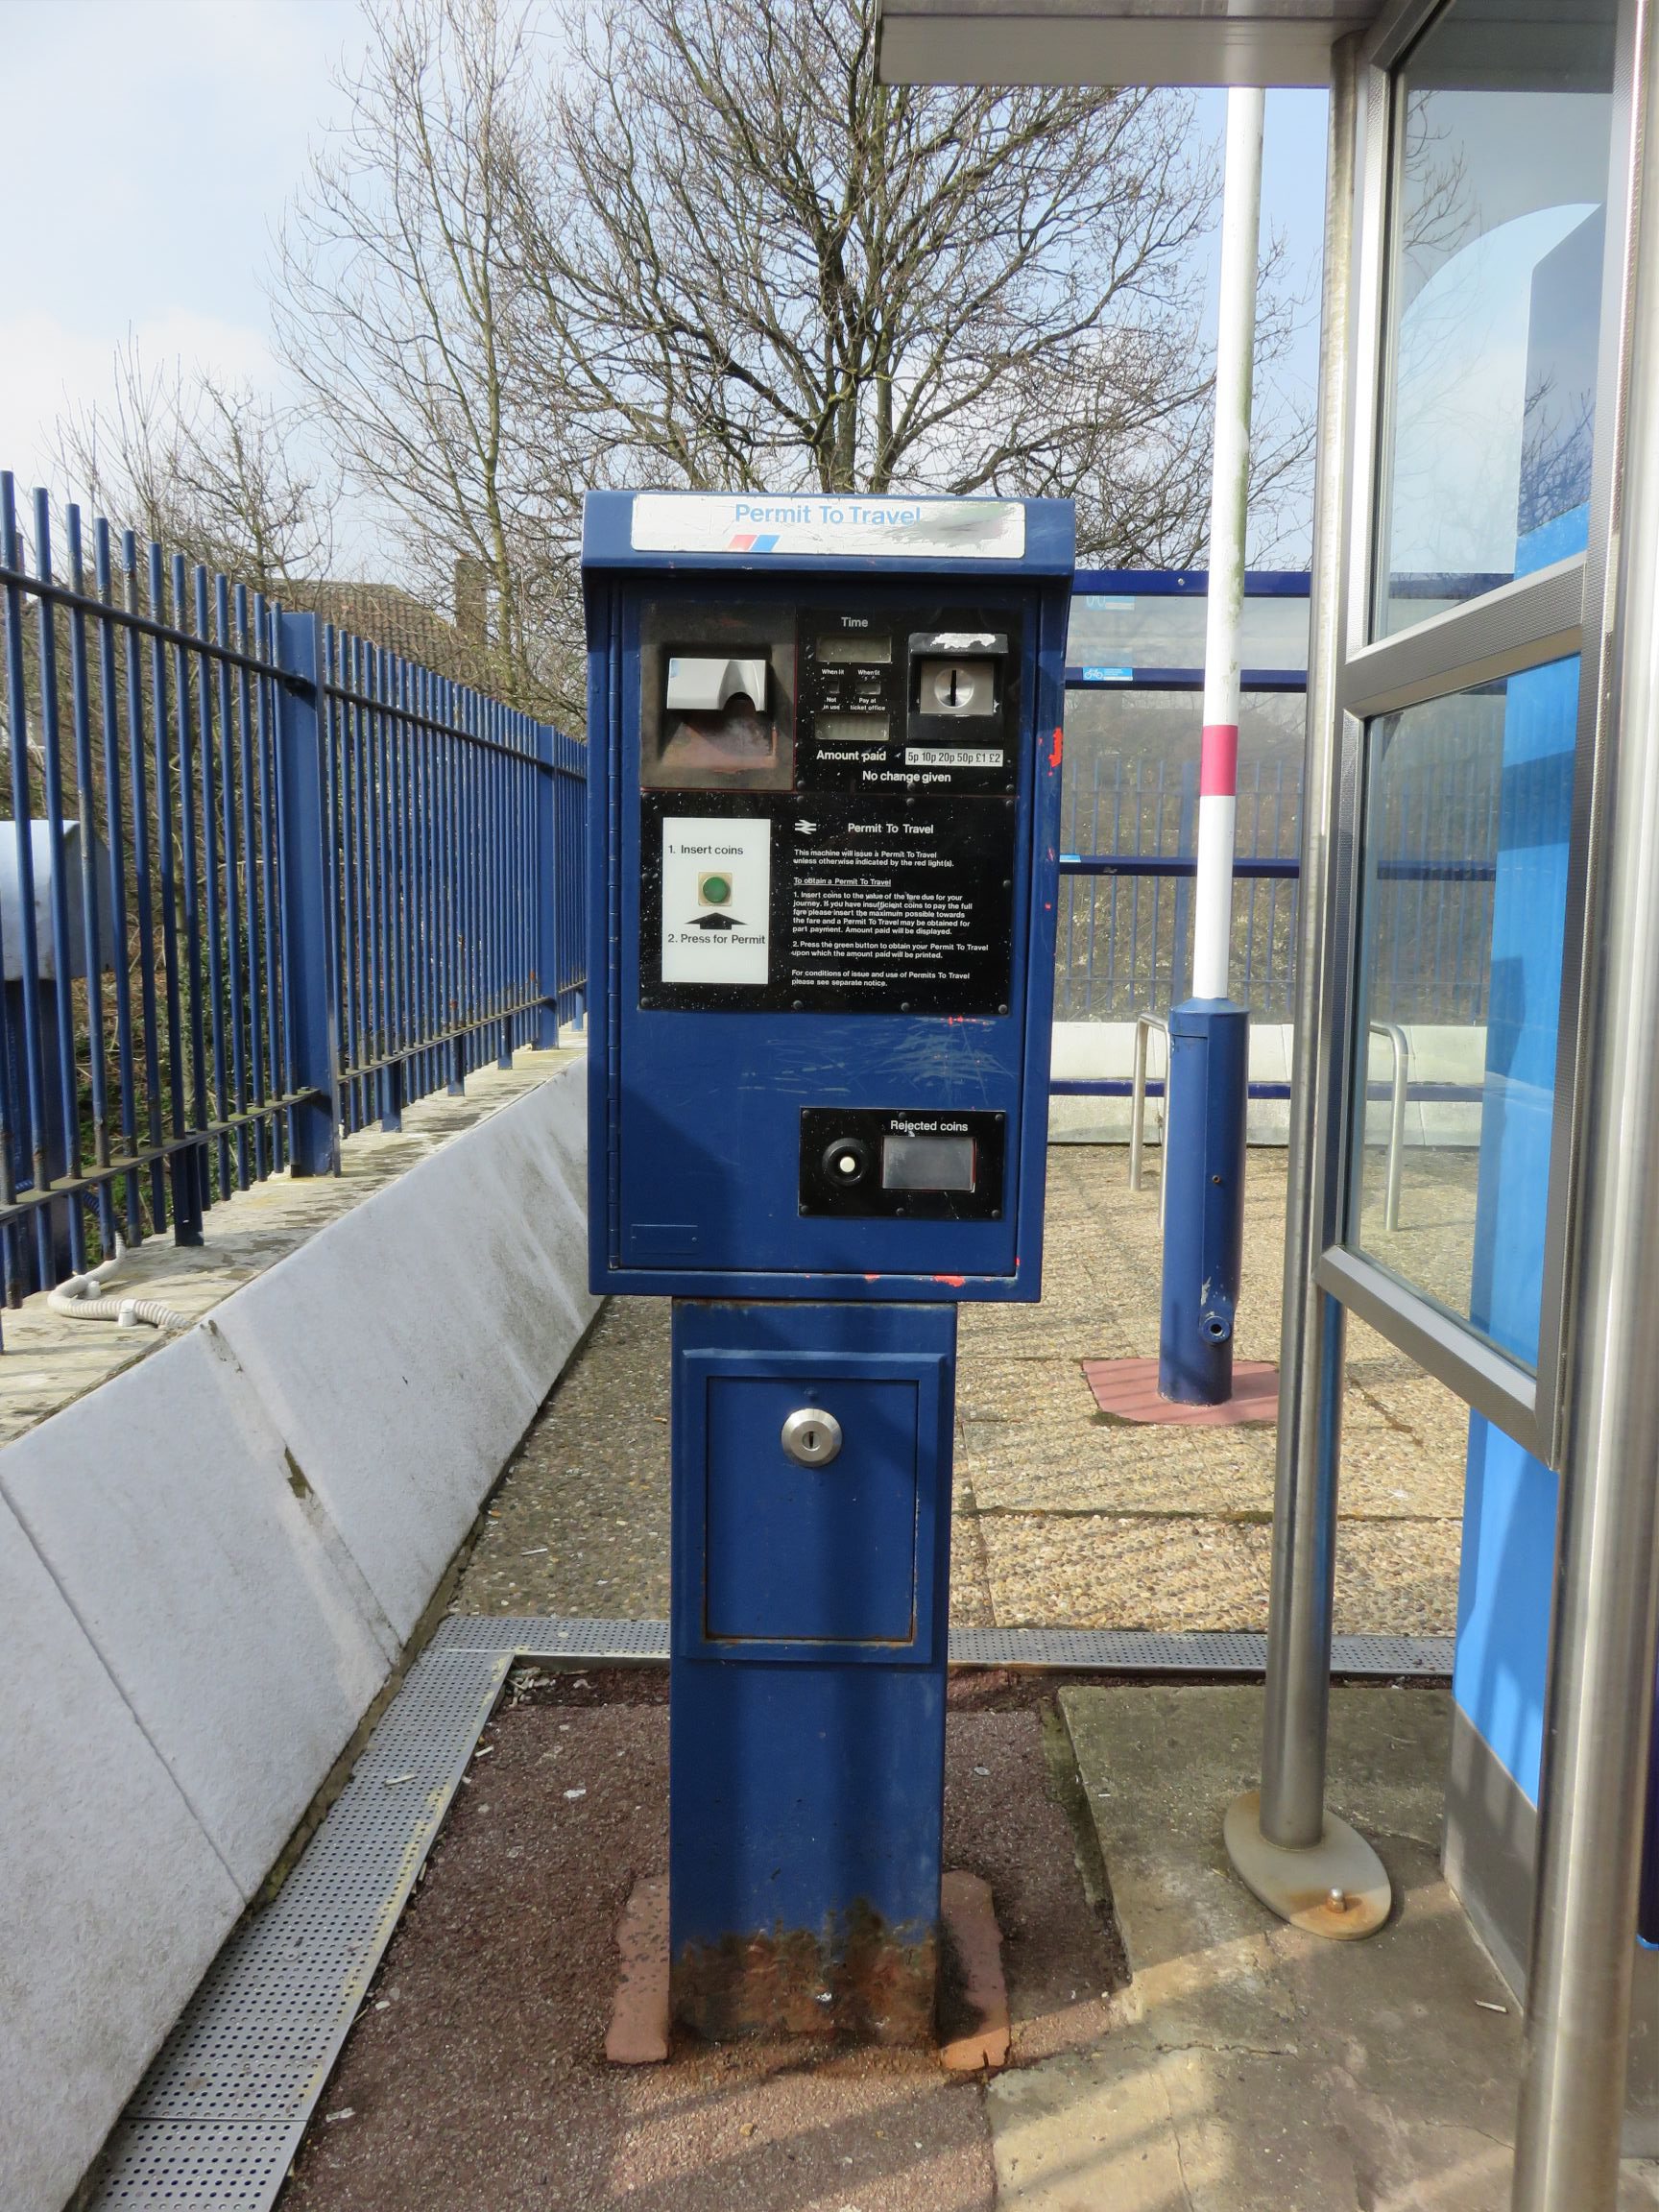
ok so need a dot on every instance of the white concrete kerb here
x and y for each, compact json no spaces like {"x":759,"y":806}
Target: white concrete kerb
{"x":208,"y":1567}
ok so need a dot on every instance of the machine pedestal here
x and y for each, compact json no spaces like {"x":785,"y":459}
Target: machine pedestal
{"x":811,"y":1583}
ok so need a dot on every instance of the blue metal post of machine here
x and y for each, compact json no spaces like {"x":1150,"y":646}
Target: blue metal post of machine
{"x":824,"y":747}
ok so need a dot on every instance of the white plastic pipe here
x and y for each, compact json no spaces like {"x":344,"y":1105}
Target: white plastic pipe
{"x":79,"y":1298}
{"x":1229,"y":500}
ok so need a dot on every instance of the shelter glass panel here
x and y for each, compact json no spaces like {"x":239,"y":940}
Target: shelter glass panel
{"x":1468,"y":815}
{"x":1497,"y":229}
{"x":1131,"y":790}
{"x":1125,"y":631}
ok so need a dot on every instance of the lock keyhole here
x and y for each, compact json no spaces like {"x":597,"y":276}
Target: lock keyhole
{"x":812,"y":1437}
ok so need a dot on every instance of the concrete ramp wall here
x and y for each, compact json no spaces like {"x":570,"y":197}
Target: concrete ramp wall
{"x":208,"y":1568}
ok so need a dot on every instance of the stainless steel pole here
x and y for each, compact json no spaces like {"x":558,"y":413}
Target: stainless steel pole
{"x":1310,"y":1334}
{"x":1597,"y":1711}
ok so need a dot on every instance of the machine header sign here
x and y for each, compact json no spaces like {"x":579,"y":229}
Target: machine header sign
{"x":850,"y":525}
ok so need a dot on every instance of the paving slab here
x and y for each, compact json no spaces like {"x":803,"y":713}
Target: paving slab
{"x":1030,"y":1452}
{"x":1062,"y":1518}
{"x":1253,"y":2068}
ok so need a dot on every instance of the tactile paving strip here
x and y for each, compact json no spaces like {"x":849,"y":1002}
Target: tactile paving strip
{"x":217,"y":2120}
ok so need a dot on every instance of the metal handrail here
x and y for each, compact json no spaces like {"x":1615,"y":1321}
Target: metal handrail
{"x":1400,"y":1046}
{"x":1144,"y":1024}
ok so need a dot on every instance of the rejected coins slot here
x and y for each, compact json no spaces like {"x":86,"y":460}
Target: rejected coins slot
{"x":928,"y":1164}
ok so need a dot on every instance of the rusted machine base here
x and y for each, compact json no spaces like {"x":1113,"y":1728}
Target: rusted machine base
{"x":863,"y":1982}
{"x":870,"y":1988}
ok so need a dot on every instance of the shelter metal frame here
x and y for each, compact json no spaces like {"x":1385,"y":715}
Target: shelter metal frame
{"x":1523,"y":624}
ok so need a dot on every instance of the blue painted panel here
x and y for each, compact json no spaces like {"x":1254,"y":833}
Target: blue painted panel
{"x":811,"y":1553}
{"x":1504,"y":1597}
{"x":1528,"y":921}
{"x":806,"y":1781}
{"x":798,"y":1792}
{"x":708,"y":1104}
{"x":1507,"y":1570}
{"x":783,"y":1557}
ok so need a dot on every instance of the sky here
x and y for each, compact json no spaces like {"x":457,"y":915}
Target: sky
{"x":153,"y":144}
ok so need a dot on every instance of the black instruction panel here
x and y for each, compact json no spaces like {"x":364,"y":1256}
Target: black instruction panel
{"x":858,"y":854}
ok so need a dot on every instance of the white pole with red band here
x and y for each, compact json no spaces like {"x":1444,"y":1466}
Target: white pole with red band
{"x":1229,"y":503}
{"x":1206,"y":1090}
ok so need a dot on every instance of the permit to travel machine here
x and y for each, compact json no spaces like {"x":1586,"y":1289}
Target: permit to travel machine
{"x":825,"y":750}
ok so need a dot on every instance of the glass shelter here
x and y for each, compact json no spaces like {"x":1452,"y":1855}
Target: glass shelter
{"x":1482,"y":711}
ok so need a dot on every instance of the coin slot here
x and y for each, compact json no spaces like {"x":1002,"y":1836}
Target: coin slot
{"x":960,"y":689}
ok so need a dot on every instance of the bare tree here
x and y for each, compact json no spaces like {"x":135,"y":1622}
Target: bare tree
{"x":400,"y":308}
{"x":757,"y":265}
{"x":674,"y":241}
{"x":211,"y":467}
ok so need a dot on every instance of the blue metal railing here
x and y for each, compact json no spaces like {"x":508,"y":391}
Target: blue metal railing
{"x":264,"y":883}
{"x":453,"y":942}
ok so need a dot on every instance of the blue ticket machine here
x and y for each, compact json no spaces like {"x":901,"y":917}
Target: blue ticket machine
{"x":824,"y":747}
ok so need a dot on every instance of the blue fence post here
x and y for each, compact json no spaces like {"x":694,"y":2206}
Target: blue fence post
{"x":549,"y":889}
{"x":304,"y":875}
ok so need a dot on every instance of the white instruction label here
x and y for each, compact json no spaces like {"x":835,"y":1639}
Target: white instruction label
{"x":757,"y":525}
{"x":717,"y":899}
{"x":951,"y":757}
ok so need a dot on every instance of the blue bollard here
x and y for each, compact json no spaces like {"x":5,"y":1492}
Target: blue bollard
{"x":1205,"y":1105}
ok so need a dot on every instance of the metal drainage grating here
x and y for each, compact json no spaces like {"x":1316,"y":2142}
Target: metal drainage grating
{"x":1197,"y":1651}
{"x":219,"y":2117}
{"x":551,"y":1636}
{"x":1107,"y":1650}
{"x":182,"y":2167}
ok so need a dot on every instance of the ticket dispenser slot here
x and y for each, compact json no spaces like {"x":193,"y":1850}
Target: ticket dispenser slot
{"x":823,"y":804}
{"x":718,"y":704}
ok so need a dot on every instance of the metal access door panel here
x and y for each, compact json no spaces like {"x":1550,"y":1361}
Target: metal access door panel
{"x":777,"y":1560}
{"x":811,"y":1553}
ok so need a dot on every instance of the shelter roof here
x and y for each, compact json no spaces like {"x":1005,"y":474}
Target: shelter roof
{"x":1115,"y":41}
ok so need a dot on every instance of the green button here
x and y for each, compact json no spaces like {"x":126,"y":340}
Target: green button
{"x":716,"y":889}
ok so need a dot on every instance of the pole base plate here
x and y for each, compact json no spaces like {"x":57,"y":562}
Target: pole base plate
{"x":1339,"y":1887}
{"x":1127,"y":1390}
